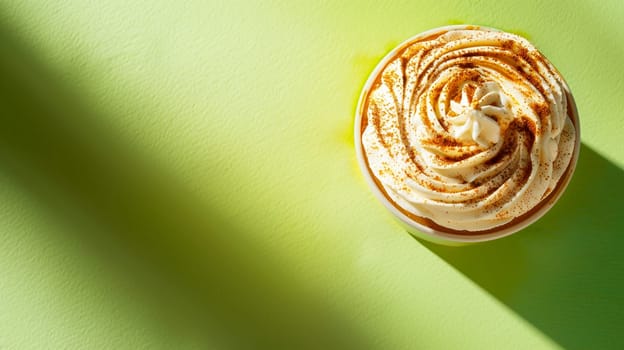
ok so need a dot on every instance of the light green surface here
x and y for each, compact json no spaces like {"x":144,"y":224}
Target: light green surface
{"x":182,"y":175}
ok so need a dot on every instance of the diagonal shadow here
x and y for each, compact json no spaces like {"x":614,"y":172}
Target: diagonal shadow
{"x":564,"y":274}
{"x":202,"y":271}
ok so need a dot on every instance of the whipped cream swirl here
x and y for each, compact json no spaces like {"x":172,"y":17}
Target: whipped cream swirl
{"x":468,"y":127}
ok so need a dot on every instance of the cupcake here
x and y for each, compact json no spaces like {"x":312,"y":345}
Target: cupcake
{"x":466,"y":133}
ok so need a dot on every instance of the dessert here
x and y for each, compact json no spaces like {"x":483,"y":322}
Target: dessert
{"x":466,"y":132}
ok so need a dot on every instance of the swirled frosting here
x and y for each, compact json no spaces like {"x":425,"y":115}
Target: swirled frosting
{"x":468,"y":127}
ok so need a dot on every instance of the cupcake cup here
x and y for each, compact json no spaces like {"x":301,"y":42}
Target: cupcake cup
{"x":423,"y":226}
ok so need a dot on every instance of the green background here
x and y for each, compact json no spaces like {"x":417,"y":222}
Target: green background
{"x":182,"y":175}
